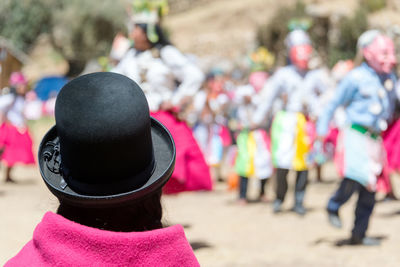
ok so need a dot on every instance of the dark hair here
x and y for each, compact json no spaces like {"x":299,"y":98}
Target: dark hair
{"x":162,"y":38}
{"x":13,"y":90}
{"x":141,"y":215}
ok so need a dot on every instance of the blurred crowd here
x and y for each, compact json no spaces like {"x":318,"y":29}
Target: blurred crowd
{"x":232,"y":125}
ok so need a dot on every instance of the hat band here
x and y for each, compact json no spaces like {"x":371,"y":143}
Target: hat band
{"x":53,"y":160}
{"x":121,"y":186}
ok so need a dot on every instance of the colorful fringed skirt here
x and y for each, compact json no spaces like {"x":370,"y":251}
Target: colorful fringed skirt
{"x":360,"y":156}
{"x":16,"y":145}
{"x":290,"y":142}
{"x":253,"y":154}
{"x":191,"y":170}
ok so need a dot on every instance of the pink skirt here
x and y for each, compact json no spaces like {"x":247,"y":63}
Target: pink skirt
{"x":191,"y":170}
{"x":17,"y":145}
{"x":391,"y":141}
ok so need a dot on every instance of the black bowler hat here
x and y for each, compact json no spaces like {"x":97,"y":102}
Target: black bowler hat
{"x":105,"y":149}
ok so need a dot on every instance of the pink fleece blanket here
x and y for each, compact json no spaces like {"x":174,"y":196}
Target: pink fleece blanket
{"x":60,"y":242}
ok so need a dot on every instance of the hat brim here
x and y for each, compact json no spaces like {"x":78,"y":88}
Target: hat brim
{"x":164,"y":155}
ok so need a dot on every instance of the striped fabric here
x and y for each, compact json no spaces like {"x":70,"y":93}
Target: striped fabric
{"x":254,"y":157}
{"x":290,"y":141}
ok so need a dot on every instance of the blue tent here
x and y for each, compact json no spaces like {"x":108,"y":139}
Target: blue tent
{"x":49,"y":86}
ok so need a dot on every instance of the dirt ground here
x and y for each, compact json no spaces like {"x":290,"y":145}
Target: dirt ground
{"x":223,"y":233}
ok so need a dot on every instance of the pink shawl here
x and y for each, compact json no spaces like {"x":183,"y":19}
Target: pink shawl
{"x":60,"y":242}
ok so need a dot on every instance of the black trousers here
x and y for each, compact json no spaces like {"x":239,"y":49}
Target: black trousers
{"x":243,"y":182}
{"x":365,"y":204}
{"x":282,"y":185}
{"x":263,"y":182}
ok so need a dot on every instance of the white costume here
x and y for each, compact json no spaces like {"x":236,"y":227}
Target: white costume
{"x":158,"y":71}
{"x":300,"y":90}
{"x":208,"y":119}
{"x":12,"y":107}
{"x":254,"y":157}
{"x":166,"y":75}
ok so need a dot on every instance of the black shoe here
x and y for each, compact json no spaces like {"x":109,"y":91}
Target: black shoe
{"x":334,"y":219}
{"x":390,"y":197}
{"x":366,"y":241}
{"x":277,"y":206}
{"x":299,"y":209}
{"x":11,"y":181}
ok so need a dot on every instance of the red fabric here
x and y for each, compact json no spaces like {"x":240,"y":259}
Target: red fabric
{"x":17,"y":145}
{"x":311,"y":132}
{"x":266,"y":138}
{"x":383,"y":183}
{"x":391,"y":141}
{"x":339,"y":154}
{"x":225,"y":136}
{"x":60,"y":242}
{"x":332,"y":136}
{"x":191,"y":170}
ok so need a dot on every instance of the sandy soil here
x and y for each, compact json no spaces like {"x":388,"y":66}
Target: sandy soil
{"x":223,"y":233}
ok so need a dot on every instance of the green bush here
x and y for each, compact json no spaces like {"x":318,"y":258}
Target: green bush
{"x":22,"y":21}
{"x":82,"y":30}
{"x":79,"y":30}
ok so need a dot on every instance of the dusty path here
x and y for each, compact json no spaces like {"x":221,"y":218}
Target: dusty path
{"x":223,"y":233}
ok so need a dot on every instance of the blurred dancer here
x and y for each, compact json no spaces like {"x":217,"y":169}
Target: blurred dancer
{"x":324,"y":150}
{"x":315,"y":101}
{"x":209,"y":111}
{"x":169,"y":80}
{"x":15,"y":140}
{"x":287,"y":94}
{"x":254,"y":156}
{"x":367,"y":93}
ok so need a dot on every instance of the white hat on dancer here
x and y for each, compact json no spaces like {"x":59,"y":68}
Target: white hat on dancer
{"x":297,"y":37}
{"x":367,"y":38}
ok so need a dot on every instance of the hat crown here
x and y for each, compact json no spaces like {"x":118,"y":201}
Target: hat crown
{"x":297,"y":37}
{"x":104,"y":130}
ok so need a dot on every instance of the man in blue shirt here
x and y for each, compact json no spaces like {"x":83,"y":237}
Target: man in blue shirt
{"x":368,"y":95}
